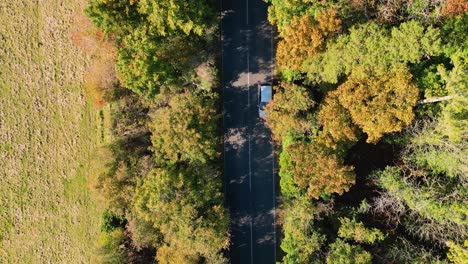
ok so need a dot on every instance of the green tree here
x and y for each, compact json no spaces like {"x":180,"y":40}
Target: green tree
{"x":373,"y":48}
{"x":186,"y":129}
{"x":185,"y":204}
{"x":454,"y":118}
{"x":287,"y":112}
{"x":457,"y":254}
{"x":281,"y":12}
{"x":344,"y":253}
{"x":353,"y":230}
{"x":155,"y":40}
{"x":302,"y":241}
{"x":423,"y":200}
{"x":110,"y":247}
{"x":165,"y":17}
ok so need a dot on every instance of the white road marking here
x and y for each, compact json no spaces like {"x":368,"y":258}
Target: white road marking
{"x":250,"y":168}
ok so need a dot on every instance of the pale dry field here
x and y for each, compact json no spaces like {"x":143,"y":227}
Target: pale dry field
{"x":48,"y":134}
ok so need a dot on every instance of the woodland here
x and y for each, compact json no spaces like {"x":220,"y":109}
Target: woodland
{"x":370,"y":114}
{"x":155,"y":64}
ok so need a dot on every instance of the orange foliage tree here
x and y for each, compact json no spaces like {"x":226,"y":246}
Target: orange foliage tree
{"x":381,"y":103}
{"x":305,"y":37}
{"x":318,"y":170}
{"x":454,"y":7}
{"x":336,"y":122}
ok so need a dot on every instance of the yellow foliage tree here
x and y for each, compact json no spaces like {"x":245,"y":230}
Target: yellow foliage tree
{"x":381,"y":103}
{"x":336,"y":122}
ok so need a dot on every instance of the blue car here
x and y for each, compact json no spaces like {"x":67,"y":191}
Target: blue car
{"x":264,"y":97}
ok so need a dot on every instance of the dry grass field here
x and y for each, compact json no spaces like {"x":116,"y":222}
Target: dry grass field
{"x":48,"y":134}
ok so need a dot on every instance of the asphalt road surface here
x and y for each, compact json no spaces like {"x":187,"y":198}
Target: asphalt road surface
{"x":248,"y":152}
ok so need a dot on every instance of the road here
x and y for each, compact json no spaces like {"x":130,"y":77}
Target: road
{"x":247,"y":58}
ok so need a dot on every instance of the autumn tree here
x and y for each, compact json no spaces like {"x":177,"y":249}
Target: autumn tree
{"x":318,"y":170}
{"x":100,"y":77}
{"x":185,"y":204}
{"x":379,"y":104}
{"x":185,"y":129}
{"x":455,"y":7}
{"x":337,"y":126}
{"x":287,"y":112}
{"x":305,"y":37}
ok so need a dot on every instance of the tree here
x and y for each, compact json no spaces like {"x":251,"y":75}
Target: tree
{"x":281,"y":12}
{"x":186,"y":205}
{"x":186,"y":129}
{"x":344,"y":253}
{"x":379,"y":104}
{"x":304,"y":38}
{"x":155,"y":40}
{"x":455,"y":7}
{"x":165,"y":17}
{"x":454,"y":33}
{"x":458,"y":254}
{"x":353,"y":230}
{"x":288,"y":185}
{"x":453,"y":121}
{"x":375,"y":49}
{"x":148,"y":65}
{"x":287,"y":112}
{"x":423,"y":200}
{"x":337,"y":125}
{"x":319,"y":171}
{"x":301,"y":238}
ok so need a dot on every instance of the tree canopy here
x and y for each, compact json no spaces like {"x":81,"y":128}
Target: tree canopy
{"x":185,"y":130}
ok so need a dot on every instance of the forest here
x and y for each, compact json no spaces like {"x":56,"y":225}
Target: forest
{"x":155,"y":65}
{"x":370,"y":115}
{"x":369,"y":118}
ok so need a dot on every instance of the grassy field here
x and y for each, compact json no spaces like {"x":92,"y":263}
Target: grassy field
{"x":48,"y":133}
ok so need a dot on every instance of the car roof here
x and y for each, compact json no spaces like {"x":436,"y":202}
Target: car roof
{"x":266,"y":93}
